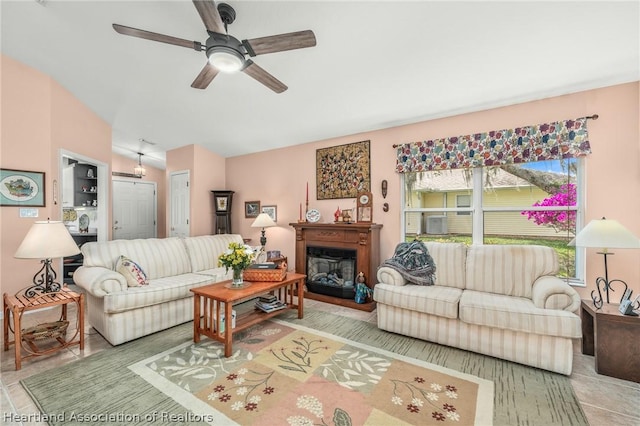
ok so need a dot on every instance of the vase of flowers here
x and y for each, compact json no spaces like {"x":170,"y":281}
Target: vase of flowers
{"x":237,"y":258}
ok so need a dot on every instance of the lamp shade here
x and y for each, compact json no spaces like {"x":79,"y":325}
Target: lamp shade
{"x":47,"y":240}
{"x":605,"y":234}
{"x":263,"y":221}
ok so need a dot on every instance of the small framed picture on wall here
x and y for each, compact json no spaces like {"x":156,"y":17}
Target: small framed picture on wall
{"x":22,"y":188}
{"x":251,"y":208}
{"x":272,"y":211}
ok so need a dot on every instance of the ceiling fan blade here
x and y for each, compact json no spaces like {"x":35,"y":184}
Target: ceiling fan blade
{"x":205,"y":77}
{"x":254,"y":71}
{"x":280,"y":42}
{"x":134,"y":32}
{"x":210,"y":16}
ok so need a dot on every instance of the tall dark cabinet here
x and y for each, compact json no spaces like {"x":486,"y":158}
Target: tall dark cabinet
{"x":222,"y":205}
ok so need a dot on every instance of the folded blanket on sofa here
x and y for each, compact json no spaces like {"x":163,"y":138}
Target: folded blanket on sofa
{"x":413,"y":261}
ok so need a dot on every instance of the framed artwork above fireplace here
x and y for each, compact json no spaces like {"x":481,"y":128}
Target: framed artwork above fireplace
{"x":343,"y":171}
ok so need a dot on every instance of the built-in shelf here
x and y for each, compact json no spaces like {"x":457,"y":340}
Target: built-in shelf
{"x":79,"y":198}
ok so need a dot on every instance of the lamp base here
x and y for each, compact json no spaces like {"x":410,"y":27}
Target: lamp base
{"x":43,"y":281}
{"x":598,"y":300}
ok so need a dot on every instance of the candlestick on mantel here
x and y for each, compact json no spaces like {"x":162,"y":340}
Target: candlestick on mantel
{"x":301,"y":220}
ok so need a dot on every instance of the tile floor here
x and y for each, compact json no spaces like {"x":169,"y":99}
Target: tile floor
{"x":605,"y":400}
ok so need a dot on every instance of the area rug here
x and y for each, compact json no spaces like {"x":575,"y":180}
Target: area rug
{"x":102,"y":388}
{"x":286,"y":374}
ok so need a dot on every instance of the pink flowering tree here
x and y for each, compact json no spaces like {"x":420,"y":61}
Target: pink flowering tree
{"x":560,"y":220}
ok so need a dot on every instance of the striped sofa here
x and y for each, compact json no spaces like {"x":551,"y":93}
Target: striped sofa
{"x":173,"y":266}
{"x":503,"y":301}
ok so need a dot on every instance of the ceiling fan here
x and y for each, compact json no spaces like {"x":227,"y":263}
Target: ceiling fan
{"x":225,"y":52}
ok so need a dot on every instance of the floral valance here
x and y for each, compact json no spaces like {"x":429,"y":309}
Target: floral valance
{"x":548,"y":141}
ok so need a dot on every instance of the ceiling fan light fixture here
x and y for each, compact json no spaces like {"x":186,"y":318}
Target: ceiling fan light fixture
{"x":225,"y":59}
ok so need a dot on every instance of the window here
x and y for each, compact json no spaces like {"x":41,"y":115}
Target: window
{"x":463,"y":201}
{"x":530,"y":203}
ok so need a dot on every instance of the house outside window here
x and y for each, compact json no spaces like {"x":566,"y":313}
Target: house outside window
{"x":533,"y":203}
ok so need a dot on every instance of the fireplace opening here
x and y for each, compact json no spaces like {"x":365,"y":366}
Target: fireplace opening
{"x":331,"y":271}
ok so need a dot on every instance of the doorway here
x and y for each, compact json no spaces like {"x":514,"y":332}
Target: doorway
{"x":134,"y":209}
{"x":86,"y":193}
{"x":179,"y":208}
{"x":83,"y":195}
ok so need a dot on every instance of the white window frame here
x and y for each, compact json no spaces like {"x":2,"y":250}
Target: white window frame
{"x":477,"y":191}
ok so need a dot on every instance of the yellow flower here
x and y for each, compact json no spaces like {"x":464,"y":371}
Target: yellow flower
{"x":237,"y":256}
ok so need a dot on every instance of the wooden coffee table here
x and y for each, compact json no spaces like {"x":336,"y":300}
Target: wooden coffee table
{"x":208,"y":309}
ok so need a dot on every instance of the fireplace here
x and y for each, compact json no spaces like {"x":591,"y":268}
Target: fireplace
{"x":331,"y":271}
{"x":357,"y":243}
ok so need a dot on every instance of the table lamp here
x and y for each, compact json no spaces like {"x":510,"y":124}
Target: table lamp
{"x":605,"y":234}
{"x":46,"y":240}
{"x":263,"y":221}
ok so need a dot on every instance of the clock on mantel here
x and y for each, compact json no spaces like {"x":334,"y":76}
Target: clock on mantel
{"x":364,"y":212}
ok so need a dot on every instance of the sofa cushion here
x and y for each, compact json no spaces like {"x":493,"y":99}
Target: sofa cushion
{"x":435,"y":300}
{"x":158,"y":257}
{"x":508,"y":269}
{"x":204,"y":250}
{"x":450,"y":259}
{"x":131,"y":271}
{"x":517,"y":314}
{"x":159,"y":290}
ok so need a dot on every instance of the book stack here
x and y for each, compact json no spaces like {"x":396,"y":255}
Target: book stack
{"x":269,"y":303}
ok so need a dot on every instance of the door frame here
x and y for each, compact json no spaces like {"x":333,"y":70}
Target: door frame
{"x":102,"y":211}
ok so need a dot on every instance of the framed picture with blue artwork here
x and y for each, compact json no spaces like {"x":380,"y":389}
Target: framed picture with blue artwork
{"x":21,"y":188}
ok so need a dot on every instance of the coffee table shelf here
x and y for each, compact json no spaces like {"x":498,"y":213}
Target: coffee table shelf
{"x":212,"y":301}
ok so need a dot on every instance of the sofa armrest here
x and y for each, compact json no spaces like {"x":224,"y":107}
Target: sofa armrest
{"x":99,"y":281}
{"x":550,"y":292}
{"x":390,"y":276}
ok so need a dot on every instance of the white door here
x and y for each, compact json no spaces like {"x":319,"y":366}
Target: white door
{"x":179,"y":208}
{"x":134,"y":210}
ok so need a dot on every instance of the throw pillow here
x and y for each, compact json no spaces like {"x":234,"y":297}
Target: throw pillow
{"x":133,"y":273}
{"x":413,"y":261}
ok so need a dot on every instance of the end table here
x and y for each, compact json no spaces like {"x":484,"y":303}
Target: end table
{"x":613,"y":338}
{"x":16,"y":305}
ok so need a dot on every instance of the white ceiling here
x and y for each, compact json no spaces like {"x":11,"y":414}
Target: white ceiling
{"x":376,"y":64}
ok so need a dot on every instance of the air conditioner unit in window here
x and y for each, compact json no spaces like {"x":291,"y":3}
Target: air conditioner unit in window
{"x":436,"y":225}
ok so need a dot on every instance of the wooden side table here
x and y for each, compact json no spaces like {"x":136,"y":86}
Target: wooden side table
{"x":613,"y":338}
{"x":16,"y":305}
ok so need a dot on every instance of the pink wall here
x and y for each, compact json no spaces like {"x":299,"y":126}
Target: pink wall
{"x":207,"y":172}
{"x":613,"y":171}
{"x":39,"y":117}
{"x":126,"y":165}
{"x":208,"y":175}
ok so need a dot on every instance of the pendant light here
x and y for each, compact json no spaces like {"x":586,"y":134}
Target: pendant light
{"x":139,"y":170}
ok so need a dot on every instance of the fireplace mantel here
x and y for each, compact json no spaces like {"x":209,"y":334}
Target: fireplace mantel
{"x":364,"y":238}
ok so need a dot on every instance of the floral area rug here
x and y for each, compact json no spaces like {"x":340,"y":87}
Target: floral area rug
{"x":286,"y":374}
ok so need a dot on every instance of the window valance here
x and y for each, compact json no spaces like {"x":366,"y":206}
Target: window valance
{"x":548,"y":141}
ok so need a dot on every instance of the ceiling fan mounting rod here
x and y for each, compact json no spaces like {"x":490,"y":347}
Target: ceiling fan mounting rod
{"x":227,"y":14}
